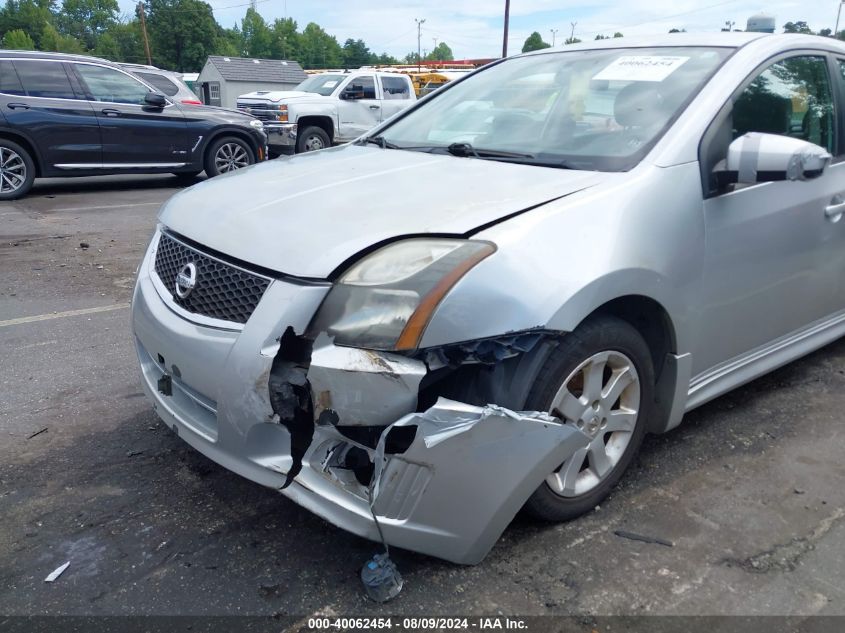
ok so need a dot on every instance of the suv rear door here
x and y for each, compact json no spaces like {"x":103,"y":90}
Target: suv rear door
{"x":39,"y":101}
{"x":134,"y":135}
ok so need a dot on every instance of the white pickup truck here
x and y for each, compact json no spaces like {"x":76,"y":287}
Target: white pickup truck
{"x":328,"y":108}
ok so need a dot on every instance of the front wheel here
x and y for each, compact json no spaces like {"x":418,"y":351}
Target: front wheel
{"x":600,"y":379}
{"x":17,"y":170}
{"x":228,"y":154}
{"x":311,"y":139}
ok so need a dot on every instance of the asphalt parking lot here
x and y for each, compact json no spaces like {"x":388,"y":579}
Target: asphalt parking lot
{"x":749,"y":490}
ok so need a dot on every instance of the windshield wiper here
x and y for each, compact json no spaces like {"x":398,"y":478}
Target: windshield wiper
{"x":380,"y":141}
{"x":466,"y":149}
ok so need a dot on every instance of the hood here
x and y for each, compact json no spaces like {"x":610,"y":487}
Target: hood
{"x":306,"y":215}
{"x":279,"y":95}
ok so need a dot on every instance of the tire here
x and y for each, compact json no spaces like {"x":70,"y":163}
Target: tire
{"x":228,"y":154}
{"x":616,"y":349}
{"x":17,"y":170}
{"x":311,"y":139}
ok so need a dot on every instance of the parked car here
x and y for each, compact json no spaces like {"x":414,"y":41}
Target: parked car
{"x":621,"y":232}
{"x":71,"y":115}
{"x":328,"y":108}
{"x":166,"y":82}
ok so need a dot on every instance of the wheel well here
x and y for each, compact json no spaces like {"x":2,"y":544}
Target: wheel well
{"x":323,"y":122}
{"x":237,"y":134}
{"x":654,"y":324}
{"x":23,"y":142}
{"x":650,"y":319}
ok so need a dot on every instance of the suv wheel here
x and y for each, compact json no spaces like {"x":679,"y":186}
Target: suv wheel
{"x":311,"y":139}
{"x":600,"y":379}
{"x":17,"y":170}
{"x":228,"y":154}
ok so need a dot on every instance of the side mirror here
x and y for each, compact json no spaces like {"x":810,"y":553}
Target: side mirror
{"x":351,"y":93}
{"x":757,"y":157}
{"x":155,"y":100}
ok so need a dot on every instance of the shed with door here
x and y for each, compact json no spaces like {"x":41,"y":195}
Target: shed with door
{"x":222,"y":79}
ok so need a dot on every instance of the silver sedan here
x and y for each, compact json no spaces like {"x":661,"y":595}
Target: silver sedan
{"x":484,"y":304}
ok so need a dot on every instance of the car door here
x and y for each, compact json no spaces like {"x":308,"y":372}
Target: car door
{"x":396,"y":95}
{"x":134,"y":135}
{"x":40,"y":102}
{"x":359,"y":108}
{"x":774,"y":257}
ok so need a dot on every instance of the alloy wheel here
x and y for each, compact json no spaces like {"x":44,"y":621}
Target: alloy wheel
{"x":601,"y":397}
{"x":12,"y":170}
{"x":231,"y":156}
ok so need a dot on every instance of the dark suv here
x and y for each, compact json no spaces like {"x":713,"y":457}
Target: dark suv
{"x":71,"y":115}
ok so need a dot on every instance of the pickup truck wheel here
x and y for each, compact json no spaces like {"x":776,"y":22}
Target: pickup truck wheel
{"x":600,"y":379}
{"x":311,"y":139}
{"x":227,"y":154}
{"x":17,"y":170}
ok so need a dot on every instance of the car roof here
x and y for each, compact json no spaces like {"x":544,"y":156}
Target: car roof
{"x":713,"y":39}
{"x":63,"y":56}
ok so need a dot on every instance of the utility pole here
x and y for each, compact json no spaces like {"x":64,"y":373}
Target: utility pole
{"x":507,"y":21}
{"x":838,"y":12}
{"x":730,"y":26}
{"x":142,"y":17}
{"x":419,"y":39}
{"x":572,"y":34}
{"x":554,"y":36}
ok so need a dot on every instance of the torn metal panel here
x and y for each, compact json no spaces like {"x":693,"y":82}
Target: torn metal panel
{"x":487,"y":351}
{"x":357,"y":387}
{"x":464,"y":476}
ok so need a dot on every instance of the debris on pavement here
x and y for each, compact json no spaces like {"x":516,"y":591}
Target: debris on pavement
{"x":56,"y":572}
{"x":84,"y":245}
{"x":134,"y":453}
{"x":44,"y":430}
{"x":645,"y":539}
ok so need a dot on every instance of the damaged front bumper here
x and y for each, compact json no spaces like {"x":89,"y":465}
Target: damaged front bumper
{"x":445,"y":481}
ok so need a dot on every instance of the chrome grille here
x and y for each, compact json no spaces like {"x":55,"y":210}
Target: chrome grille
{"x":222,"y":291}
{"x":261,"y":111}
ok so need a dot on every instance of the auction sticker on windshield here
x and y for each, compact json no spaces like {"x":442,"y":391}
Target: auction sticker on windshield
{"x":641,"y":68}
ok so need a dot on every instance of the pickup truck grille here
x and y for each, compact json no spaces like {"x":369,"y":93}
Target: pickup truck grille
{"x":222,"y":291}
{"x":261,"y":111}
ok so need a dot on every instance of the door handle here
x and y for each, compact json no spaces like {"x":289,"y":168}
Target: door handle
{"x":17,"y":106}
{"x":111,"y":112}
{"x":835,"y":209}
{"x":374,"y":107}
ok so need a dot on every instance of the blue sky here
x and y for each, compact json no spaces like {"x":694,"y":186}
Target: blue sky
{"x":473,"y":28}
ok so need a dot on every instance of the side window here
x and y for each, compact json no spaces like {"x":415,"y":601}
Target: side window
{"x":842,"y":67}
{"x":395,"y":88}
{"x":9,"y":82}
{"x":362,"y":88}
{"x":792,"y":97}
{"x":44,"y":79}
{"x":160,"y":82}
{"x":110,"y":85}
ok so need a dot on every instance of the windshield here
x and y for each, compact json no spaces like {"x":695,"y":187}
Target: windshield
{"x":321,"y":84}
{"x":597,"y":110}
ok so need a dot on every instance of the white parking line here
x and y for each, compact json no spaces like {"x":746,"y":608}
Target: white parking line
{"x":109,"y":206}
{"x":61,"y":315}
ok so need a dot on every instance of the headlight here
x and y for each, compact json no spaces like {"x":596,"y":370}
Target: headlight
{"x":386,"y":300}
{"x":283,"y":114}
{"x":258,"y":125}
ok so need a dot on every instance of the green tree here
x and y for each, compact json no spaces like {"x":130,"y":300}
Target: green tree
{"x":287,"y":42}
{"x":441,"y":53}
{"x":29,"y":16}
{"x":386,"y":60}
{"x":355,"y":53}
{"x":183,"y":33}
{"x":572,"y":40}
{"x":126,"y":38}
{"x":18,"y":40}
{"x":319,"y":49}
{"x":618,"y":34}
{"x":87,"y":20}
{"x":257,"y":39}
{"x":797,"y":27}
{"x":412,"y":58}
{"x":603,"y":37}
{"x":677,"y":30}
{"x":534,"y":43}
{"x":55,"y":42}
